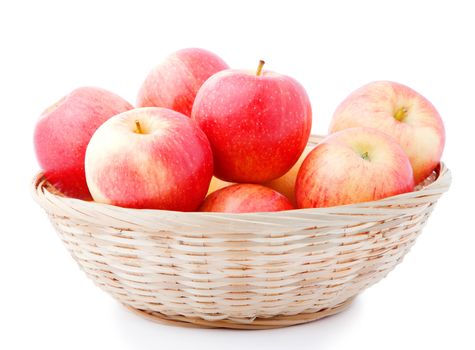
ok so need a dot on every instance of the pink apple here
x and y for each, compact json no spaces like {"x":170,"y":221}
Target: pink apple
{"x":351,"y":166}
{"x":63,"y":132}
{"x":174,"y":83}
{"x":149,"y":157}
{"x":258,"y":123}
{"x":245,"y":198}
{"x":400,"y":112}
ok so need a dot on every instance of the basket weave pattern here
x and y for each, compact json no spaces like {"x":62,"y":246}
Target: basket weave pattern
{"x":255,"y":270}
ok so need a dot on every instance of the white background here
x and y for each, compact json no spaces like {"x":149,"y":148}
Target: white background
{"x":49,"y":48}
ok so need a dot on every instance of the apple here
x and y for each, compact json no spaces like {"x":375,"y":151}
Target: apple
{"x":400,"y":112}
{"x":217,"y":184}
{"x":245,"y":198}
{"x":63,"y":132}
{"x":149,"y":157}
{"x":286,"y":183}
{"x":258,"y":123}
{"x":174,"y":82}
{"x":352,"y":166}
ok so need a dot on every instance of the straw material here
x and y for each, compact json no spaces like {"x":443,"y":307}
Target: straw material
{"x":244,"y":271}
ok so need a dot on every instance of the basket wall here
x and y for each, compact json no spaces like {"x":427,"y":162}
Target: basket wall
{"x":239,"y":267}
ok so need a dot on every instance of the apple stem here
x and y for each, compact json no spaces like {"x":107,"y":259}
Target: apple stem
{"x":139,"y":128}
{"x":400,"y":114}
{"x":259,"y":67}
{"x":365,"y":156}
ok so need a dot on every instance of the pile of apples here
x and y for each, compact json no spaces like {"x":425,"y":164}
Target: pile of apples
{"x":208,"y":138}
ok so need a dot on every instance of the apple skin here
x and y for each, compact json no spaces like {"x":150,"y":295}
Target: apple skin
{"x":421,"y":131}
{"x":258,"y":125}
{"x":336,"y":173}
{"x":174,"y":83}
{"x":63,"y":131}
{"x":167,"y":166}
{"x":245,"y":198}
{"x":286,"y":183}
{"x":217,"y":184}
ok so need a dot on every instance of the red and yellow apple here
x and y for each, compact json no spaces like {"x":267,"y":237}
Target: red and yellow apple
{"x":149,"y":157}
{"x":400,"y":112}
{"x":245,"y":198}
{"x":63,"y":132}
{"x":286,"y":183}
{"x":352,"y":166}
{"x":217,"y":184}
{"x":258,"y":123}
{"x":174,"y":82}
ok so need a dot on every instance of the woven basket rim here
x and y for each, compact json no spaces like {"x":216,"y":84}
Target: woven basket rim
{"x":39,"y":189}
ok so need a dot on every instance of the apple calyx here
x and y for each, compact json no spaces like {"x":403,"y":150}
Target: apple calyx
{"x":400,"y":114}
{"x":365,"y":156}
{"x":259,"y":67}
{"x":139,"y":128}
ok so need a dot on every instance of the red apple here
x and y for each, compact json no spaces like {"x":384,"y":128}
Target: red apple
{"x":258,"y":123}
{"x":174,"y":83}
{"x":352,"y":166}
{"x":245,"y":198}
{"x":149,"y":157}
{"x":400,"y":112}
{"x":63,"y":132}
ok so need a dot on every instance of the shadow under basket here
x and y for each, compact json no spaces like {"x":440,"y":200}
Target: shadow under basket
{"x":243,"y":271}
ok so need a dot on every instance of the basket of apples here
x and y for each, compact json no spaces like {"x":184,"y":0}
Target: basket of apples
{"x":210,"y":204}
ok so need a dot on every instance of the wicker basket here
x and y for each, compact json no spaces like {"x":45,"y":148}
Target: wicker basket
{"x":246,"y":271}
